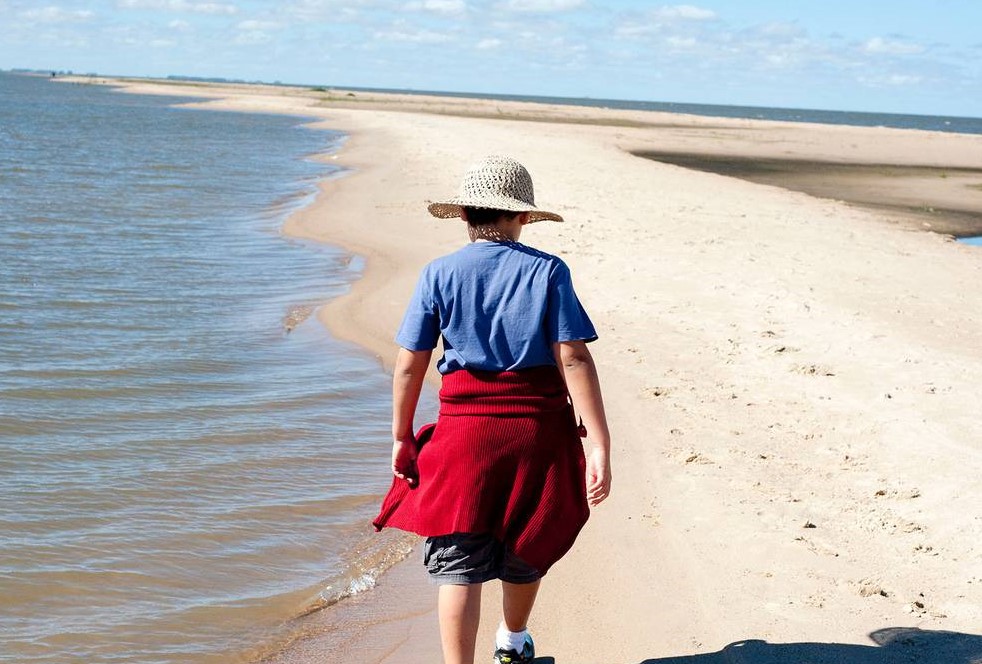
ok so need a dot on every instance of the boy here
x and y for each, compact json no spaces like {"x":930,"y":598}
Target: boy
{"x":499,"y":486}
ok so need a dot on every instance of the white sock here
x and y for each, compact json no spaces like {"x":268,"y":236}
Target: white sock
{"x":510,"y":640}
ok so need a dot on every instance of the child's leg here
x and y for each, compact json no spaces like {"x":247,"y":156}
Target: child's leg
{"x":459,"y":608}
{"x":516,"y":603}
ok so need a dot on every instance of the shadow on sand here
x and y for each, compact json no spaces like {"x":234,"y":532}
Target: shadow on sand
{"x":894,"y":645}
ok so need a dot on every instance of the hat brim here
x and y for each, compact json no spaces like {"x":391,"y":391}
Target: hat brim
{"x":451,"y":209}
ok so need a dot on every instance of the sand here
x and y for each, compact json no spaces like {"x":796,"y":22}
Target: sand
{"x":792,"y":381}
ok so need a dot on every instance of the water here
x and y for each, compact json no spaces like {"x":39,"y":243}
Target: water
{"x":179,"y":474}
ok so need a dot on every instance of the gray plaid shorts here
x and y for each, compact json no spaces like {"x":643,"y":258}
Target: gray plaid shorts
{"x":466,"y":558}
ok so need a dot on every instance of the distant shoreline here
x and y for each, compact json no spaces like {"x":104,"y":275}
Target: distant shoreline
{"x":922,"y":122}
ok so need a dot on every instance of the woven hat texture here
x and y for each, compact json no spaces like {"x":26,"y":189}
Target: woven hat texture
{"x":496,"y":183}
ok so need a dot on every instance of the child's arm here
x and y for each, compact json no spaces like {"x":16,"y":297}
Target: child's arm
{"x":407,"y":381}
{"x":576,"y":364}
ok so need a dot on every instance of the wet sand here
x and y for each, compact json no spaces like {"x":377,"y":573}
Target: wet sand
{"x":943,"y":200}
{"x":792,"y":382}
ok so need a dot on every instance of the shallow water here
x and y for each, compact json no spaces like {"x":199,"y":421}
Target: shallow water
{"x":188,"y":459}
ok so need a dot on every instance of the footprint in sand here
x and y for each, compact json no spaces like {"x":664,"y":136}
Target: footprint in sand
{"x":812,"y":370}
{"x":779,"y":350}
{"x":898,"y":494}
{"x":871,"y":588}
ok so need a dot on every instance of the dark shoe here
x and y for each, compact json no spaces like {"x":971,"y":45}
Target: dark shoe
{"x":509,"y":656}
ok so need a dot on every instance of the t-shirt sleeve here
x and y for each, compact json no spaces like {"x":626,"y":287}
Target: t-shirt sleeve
{"x":420,"y":329}
{"x":566,"y":320}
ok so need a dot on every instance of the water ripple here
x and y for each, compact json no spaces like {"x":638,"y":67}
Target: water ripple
{"x":188,"y":460}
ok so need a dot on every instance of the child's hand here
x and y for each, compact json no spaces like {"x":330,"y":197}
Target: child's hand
{"x":597,"y":476}
{"x":404,"y":461}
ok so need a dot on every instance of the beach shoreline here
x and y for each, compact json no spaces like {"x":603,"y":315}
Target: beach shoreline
{"x":773,"y":365}
{"x":917,"y":178}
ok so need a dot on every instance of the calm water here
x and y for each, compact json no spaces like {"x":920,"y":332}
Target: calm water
{"x":178,"y":474}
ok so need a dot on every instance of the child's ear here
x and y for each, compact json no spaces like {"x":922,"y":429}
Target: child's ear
{"x":524,"y":217}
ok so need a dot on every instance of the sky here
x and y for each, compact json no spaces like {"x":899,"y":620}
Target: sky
{"x":901,"y":56}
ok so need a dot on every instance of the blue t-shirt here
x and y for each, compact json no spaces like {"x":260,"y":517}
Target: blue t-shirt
{"x":499,"y":306}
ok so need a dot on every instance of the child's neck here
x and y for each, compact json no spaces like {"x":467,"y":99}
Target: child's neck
{"x":498,"y":232}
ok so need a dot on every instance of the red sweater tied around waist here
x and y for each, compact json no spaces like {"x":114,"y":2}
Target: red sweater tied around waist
{"x":505,"y":458}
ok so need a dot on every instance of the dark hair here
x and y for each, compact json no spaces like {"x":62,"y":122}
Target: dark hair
{"x":483,"y":216}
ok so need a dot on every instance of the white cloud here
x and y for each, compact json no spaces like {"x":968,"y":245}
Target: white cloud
{"x":56,"y":15}
{"x":437,"y":6}
{"x":904,"y":79}
{"x":252,"y":38}
{"x":778,"y":45}
{"x":701,"y":41}
{"x":788,"y":56}
{"x":540,"y":6}
{"x":894,"y":80}
{"x":634,"y":29}
{"x":179,"y":25}
{"x":681,"y":42}
{"x":489,"y":44}
{"x":180,"y":6}
{"x":892,"y":47}
{"x":780,"y":29}
{"x":405,"y":34}
{"x":665,"y":19}
{"x":259,"y":25}
{"x":312,"y":10}
{"x":686,"y":12}
{"x":127,"y":41}
{"x":162,"y":43}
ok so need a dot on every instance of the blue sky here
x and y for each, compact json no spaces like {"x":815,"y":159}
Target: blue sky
{"x":901,"y":56}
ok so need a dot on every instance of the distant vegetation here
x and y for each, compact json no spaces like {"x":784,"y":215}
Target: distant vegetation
{"x":45,"y":72}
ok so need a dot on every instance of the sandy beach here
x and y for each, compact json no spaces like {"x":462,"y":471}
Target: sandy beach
{"x":791,"y":363}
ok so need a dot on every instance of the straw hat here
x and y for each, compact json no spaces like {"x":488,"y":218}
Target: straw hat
{"x":495,"y":183}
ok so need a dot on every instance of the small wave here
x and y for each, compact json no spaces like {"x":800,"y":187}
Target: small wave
{"x":332,"y":595}
{"x":375,"y":556}
{"x":296,"y":315}
{"x":169,"y":168}
{"x":372,"y":560}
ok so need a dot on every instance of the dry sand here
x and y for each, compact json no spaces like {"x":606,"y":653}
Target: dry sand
{"x":792,"y":382}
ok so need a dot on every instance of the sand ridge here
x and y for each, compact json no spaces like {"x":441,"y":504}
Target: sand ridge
{"x":792,"y":384}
